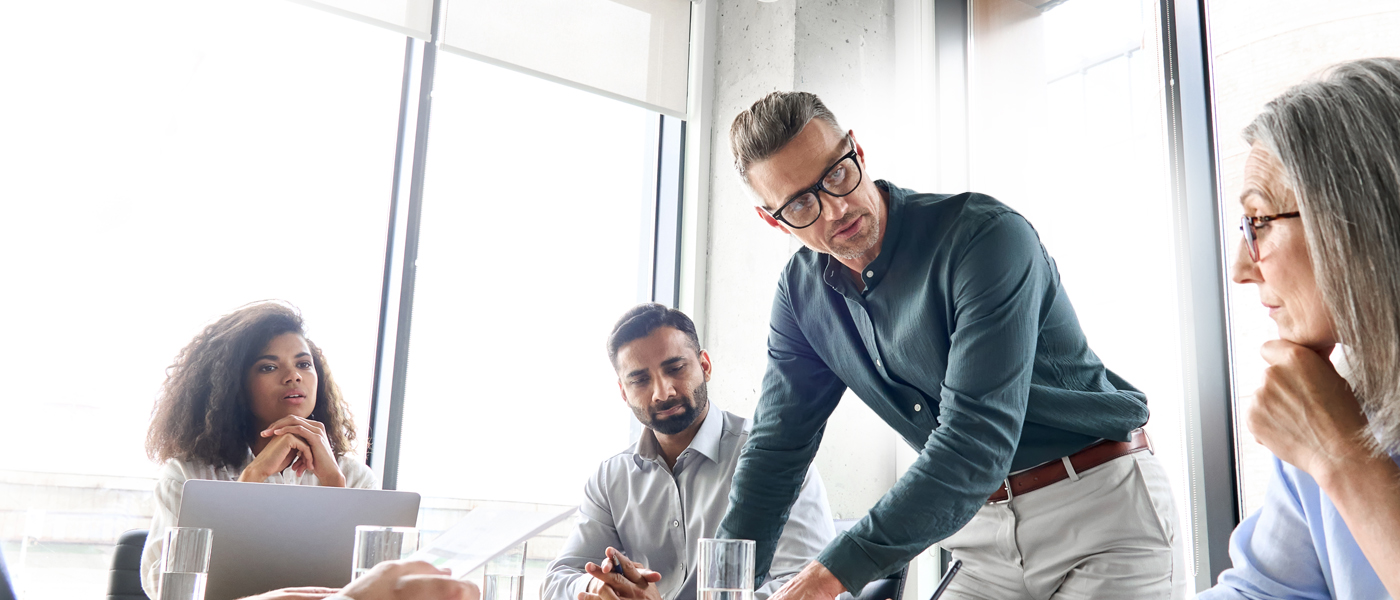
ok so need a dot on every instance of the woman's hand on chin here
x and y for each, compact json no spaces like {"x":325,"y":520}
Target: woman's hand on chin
{"x":1305,"y":413}
{"x":313,"y":435}
{"x":282,"y":452}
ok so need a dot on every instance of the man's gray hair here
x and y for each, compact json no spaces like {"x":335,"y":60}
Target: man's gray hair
{"x":1338,"y":138}
{"x":761,"y":131}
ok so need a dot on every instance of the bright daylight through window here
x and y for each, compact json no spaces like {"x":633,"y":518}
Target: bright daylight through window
{"x":532,"y":232}
{"x":176,"y":160}
{"x":167,"y":162}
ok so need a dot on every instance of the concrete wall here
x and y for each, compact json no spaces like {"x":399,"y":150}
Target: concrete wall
{"x":843,"y":52}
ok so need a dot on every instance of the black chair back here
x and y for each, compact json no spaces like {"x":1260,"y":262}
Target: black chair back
{"x":125,"y":583}
{"x":889,"y":587}
{"x":7,"y":588}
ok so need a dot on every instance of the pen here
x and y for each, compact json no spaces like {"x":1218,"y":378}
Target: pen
{"x":947,"y":578}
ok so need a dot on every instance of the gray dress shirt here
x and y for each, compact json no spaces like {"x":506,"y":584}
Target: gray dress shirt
{"x":656,"y":515}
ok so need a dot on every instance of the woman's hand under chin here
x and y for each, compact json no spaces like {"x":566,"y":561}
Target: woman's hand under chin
{"x":319,"y":458}
{"x":282,"y":452}
{"x":1305,"y":413}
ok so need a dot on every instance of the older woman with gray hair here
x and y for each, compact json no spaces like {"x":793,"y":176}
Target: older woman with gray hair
{"x":1322,"y":243}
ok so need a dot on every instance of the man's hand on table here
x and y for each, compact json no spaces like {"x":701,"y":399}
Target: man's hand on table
{"x":620,"y":578}
{"x":814,"y":582}
{"x":409,"y":580}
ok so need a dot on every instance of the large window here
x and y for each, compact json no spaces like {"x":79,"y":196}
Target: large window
{"x":1066,"y":126}
{"x":161,"y":164}
{"x":1261,"y":48}
{"x":166,"y":161}
{"x":533,"y":231}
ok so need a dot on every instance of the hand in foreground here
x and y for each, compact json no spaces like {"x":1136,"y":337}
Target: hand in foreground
{"x":620,"y":578}
{"x":409,"y":580}
{"x":280,"y":453}
{"x":813,"y":582}
{"x":313,"y":433}
{"x":1305,"y":413}
{"x":296,"y":593}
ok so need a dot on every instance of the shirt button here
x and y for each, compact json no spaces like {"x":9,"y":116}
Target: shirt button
{"x":869,"y":273}
{"x":918,"y":407}
{"x":877,"y":362}
{"x":675,"y":523}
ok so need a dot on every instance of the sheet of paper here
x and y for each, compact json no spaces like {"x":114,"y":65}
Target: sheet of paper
{"x":485,"y":533}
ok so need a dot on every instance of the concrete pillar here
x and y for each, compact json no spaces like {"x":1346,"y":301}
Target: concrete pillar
{"x":843,"y":52}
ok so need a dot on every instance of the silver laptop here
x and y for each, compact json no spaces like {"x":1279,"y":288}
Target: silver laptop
{"x":269,"y":536}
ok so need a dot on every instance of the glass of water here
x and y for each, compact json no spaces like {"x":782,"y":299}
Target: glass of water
{"x":724,"y":570}
{"x":505,"y":576}
{"x":184,"y":566}
{"x":375,"y":544}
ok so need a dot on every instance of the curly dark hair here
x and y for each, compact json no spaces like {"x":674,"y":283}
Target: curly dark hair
{"x":204,"y":414}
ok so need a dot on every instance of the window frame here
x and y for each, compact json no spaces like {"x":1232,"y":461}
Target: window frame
{"x":666,"y":224}
{"x":1214,"y":504}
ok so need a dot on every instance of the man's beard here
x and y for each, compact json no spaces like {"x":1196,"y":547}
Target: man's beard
{"x":694,"y":405}
{"x":856,"y":247}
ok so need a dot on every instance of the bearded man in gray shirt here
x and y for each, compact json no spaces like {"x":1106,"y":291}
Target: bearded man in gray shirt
{"x":647,"y":507}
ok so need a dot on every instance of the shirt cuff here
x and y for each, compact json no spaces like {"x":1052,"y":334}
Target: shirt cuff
{"x":849,"y":563}
{"x":579,"y":585}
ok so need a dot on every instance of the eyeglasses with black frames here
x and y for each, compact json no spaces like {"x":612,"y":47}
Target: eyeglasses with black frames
{"x":1249,"y":225}
{"x":839,"y":180}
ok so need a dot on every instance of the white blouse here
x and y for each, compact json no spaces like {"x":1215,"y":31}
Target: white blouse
{"x":170,"y":488}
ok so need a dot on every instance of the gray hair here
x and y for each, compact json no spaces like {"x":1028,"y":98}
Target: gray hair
{"x":1338,"y":137}
{"x":761,"y":131}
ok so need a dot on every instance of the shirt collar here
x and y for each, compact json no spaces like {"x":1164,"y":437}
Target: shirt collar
{"x":833,"y":272}
{"x":706,"y":439}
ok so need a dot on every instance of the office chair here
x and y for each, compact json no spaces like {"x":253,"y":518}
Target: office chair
{"x":125,"y":583}
{"x":889,"y":587}
{"x":7,"y":588}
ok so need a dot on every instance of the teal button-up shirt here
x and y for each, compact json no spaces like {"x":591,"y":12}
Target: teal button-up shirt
{"x":962,"y":340}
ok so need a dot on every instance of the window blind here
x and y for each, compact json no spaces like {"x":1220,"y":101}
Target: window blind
{"x":636,"y":51}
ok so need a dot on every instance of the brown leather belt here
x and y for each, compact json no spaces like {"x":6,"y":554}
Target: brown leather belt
{"x":1099,"y":453}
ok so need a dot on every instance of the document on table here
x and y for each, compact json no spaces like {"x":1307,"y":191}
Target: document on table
{"x":485,"y":533}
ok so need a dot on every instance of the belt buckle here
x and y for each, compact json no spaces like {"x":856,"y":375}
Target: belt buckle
{"x":1006,"y":482}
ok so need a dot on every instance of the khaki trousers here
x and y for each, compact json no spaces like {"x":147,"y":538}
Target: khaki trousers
{"x":1108,"y":532}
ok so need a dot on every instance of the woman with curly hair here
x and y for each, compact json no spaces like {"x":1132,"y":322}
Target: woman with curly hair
{"x":249,"y":399}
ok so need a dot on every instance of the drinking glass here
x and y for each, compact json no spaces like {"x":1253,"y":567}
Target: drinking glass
{"x":724,"y":570}
{"x":505,"y":576}
{"x":375,"y":544}
{"x":184,"y":566}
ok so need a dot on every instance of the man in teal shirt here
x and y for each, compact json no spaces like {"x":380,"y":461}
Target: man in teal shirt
{"x":946,"y":316}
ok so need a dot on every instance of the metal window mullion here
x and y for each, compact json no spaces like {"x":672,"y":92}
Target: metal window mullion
{"x":670,"y":180}
{"x":695,"y":219}
{"x":388,"y":436}
{"x":389,"y":296}
{"x":953,"y":50}
{"x":1210,"y":432}
{"x":952,"y":30}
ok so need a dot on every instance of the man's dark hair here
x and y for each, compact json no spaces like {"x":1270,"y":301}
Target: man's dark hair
{"x":642,"y":319}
